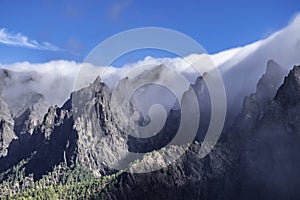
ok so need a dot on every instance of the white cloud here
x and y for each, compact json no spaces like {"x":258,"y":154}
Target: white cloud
{"x":241,"y":67}
{"x":53,"y":79}
{"x":21,"y":40}
{"x":242,"y":71}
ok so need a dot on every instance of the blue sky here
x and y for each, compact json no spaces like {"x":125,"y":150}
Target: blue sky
{"x":51,"y":30}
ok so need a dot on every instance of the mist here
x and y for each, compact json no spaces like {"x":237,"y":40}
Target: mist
{"x":240,"y":67}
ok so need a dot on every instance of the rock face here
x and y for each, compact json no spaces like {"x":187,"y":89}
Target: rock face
{"x":189,"y":178}
{"x":97,"y":132}
{"x":21,"y":110}
{"x":254,"y":104}
{"x":6,"y":128}
{"x":81,"y":132}
{"x":271,"y":157}
{"x":204,"y":100}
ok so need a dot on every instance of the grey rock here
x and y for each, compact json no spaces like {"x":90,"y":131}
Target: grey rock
{"x":269,"y":155}
{"x":6,"y":128}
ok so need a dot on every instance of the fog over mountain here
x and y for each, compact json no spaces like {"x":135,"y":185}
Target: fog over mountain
{"x":243,"y":65}
{"x":61,"y":131}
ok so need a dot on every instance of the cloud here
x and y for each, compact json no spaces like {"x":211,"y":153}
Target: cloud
{"x":243,"y":70}
{"x":241,"y":67}
{"x":20,"y":40}
{"x":52,"y":79}
{"x":57,"y":79}
{"x":117,"y":8}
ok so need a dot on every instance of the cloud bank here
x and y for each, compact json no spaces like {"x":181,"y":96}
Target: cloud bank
{"x":21,"y":40}
{"x":240,"y":67}
{"x":52,"y":79}
{"x":243,"y":70}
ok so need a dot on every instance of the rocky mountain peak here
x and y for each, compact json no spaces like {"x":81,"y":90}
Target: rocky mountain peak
{"x":272,"y":142}
{"x":270,"y":81}
{"x":255,"y":104}
{"x":6,"y":127}
{"x":266,"y":89}
{"x":289,"y":92}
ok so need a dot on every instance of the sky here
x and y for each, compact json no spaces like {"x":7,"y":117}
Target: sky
{"x":46,"y":30}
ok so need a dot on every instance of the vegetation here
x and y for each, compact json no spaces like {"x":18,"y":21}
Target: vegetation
{"x":61,"y":183}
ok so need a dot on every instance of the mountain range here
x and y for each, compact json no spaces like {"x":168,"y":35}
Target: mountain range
{"x":51,"y":151}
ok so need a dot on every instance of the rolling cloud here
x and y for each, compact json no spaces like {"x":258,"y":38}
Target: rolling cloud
{"x":240,"y":67}
{"x":20,"y":40}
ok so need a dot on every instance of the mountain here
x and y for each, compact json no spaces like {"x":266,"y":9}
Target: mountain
{"x":83,"y":133}
{"x":244,"y":67}
{"x":93,"y":146}
{"x":21,"y":108}
{"x":241,"y":67}
{"x":254,"y":104}
{"x":61,"y":139}
{"x":258,"y":159}
{"x":271,"y":157}
{"x":256,"y":155}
